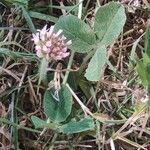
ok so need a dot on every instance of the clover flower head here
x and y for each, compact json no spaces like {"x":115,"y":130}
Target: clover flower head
{"x":50,"y":44}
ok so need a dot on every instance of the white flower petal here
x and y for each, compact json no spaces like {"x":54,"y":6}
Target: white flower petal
{"x":36,"y":38}
{"x":59,"y":32}
{"x":45,"y":49}
{"x":50,"y":32}
{"x":44,"y":30}
{"x":43,"y":38}
{"x":69,"y":42}
{"x":63,"y":37}
{"x":38,"y":47}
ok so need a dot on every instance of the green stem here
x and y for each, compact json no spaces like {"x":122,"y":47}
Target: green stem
{"x":72,"y":53}
{"x":43,"y":71}
{"x":5,"y":121}
{"x":68,"y":68}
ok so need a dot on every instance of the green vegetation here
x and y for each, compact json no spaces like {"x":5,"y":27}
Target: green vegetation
{"x":74,"y":74}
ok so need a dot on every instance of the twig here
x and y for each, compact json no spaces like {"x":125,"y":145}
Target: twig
{"x":63,"y":10}
{"x":11,"y":74}
{"x":84,"y":108}
{"x":112,"y":145}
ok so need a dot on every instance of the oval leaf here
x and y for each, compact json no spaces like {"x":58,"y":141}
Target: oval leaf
{"x":83,"y":38}
{"x":95,"y":66}
{"x":39,"y":123}
{"x":109,"y":22}
{"x":77,"y":127}
{"x":58,"y":108}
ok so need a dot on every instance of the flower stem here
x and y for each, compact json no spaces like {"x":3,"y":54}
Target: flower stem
{"x":68,"y":67}
{"x":72,"y":53}
{"x":42,"y":72}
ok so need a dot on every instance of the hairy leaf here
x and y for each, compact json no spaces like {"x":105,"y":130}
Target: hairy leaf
{"x":83,"y":38}
{"x":95,"y":66}
{"x":109,"y":22}
{"x":58,"y":107}
{"x":39,"y":123}
{"x":78,"y":126}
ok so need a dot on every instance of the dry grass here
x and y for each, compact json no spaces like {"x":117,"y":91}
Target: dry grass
{"x":121,"y":117}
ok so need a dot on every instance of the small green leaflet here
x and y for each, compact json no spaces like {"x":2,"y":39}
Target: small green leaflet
{"x":39,"y":123}
{"x":78,"y":126}
{"x":109,"y":23}
{"x":95,"y":66}
{"x":82,"y":36}
{"x":58,"y":110}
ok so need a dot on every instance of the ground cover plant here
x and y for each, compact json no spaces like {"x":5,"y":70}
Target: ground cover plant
{"x":74,"y":74}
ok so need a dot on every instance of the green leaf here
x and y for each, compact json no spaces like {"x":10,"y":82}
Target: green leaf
{"x":28,"y":19}
{"x":148,"y":73}
{"x":22,"y":2}
{"x":11,"y":2}
{"x":141,"y":69}
{"x":133,"y":50}
{"x":147,"y":40}
{"x":78,"y":126}
{"x":42,"y":16}
{"x":39,"y":123}
{"x":72,"y":80}
{"x":95,"y":66}
{"x":109,"y":22}
{"x":83,"y":38}
{"x":58,"y":108}
{"x":146,"y":59}
{"x":85,"y":86}
{"x":13,"y":54}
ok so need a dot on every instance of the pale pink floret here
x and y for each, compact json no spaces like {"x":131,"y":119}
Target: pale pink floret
{"x":39,"y":53}
{"x":38,"y":47}
{"x":45,"y":49}
{"x":65,"y":55}
{"x":36,"y":38}
{"x":50,"y":44}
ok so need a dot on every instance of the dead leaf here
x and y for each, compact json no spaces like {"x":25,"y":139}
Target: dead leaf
{"x":3,"y":112}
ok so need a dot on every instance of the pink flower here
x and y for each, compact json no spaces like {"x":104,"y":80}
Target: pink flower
{"x":51,"y":45}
